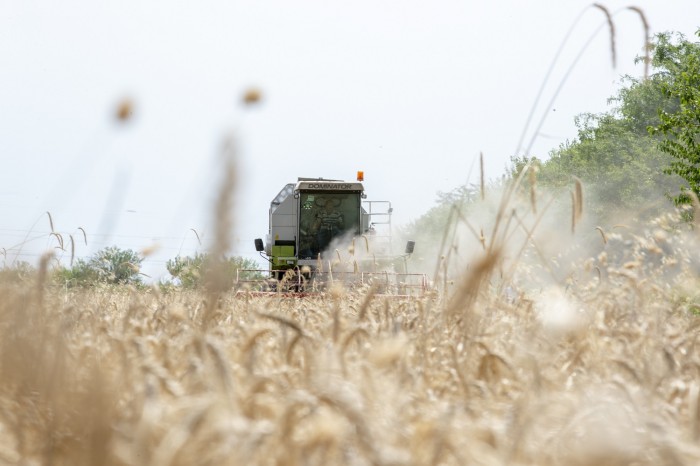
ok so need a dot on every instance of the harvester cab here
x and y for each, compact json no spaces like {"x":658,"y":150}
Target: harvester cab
{"x":322,"y":230}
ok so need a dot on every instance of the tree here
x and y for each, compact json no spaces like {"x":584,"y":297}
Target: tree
{"x":117,"y":266}
{"x":680,"y":126}
{"x":625,"y":165}
{"x":623,"y":168}
{"x":110,"y":265}
{"x":191,"y":272}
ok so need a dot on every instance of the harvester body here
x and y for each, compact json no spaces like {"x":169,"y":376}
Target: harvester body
{"x":322,"y":230}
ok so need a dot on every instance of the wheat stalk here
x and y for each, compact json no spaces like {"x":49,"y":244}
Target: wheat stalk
{"x":84,"y":235}
{"x":611,"y":27}
{"x":72,"y":249}
{"x":482,"y":183}
{"x":533,"y":194}
{"x":48,"y":214}
{"x":647,"y":39}
{"x":602,"y":234}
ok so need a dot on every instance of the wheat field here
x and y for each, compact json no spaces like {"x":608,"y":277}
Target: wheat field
{"x":597,"y":365}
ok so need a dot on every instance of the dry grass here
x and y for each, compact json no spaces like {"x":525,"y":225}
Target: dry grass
{"x":600,"y":369}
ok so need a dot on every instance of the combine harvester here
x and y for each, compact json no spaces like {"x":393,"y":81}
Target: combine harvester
{"x":324,"y":233}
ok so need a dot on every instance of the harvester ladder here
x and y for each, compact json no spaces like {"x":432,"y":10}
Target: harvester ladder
{"x":379,"y":213}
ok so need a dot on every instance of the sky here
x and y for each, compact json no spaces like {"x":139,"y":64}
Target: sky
{"x":410,"y":92}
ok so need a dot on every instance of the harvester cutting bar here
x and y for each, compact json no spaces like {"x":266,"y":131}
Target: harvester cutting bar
{"x":293,"y":281}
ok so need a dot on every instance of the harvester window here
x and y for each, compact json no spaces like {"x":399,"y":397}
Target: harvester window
{"x":329,"y":217}
{"x":325,"y":217}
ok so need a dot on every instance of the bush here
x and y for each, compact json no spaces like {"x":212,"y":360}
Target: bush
{"x":190,"y":272}
{"x":111,"y":266}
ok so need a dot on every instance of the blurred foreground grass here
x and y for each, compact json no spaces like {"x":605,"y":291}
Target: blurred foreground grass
{"x":603,"y":369}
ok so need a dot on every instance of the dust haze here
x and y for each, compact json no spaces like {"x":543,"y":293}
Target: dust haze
{"x":547,"y":238}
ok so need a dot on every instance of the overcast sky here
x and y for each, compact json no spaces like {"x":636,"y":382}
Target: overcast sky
{"x":408,"y":91}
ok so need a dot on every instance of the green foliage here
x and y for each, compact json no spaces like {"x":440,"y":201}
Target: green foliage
{"x":187,"y":270}
{"x":191,"y":272}
{"x":111,"y":265}
{"x":680,"y":126}
{"x":639,"y":102}
{"x":621,"y":166}
{"x":80,"y":274}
